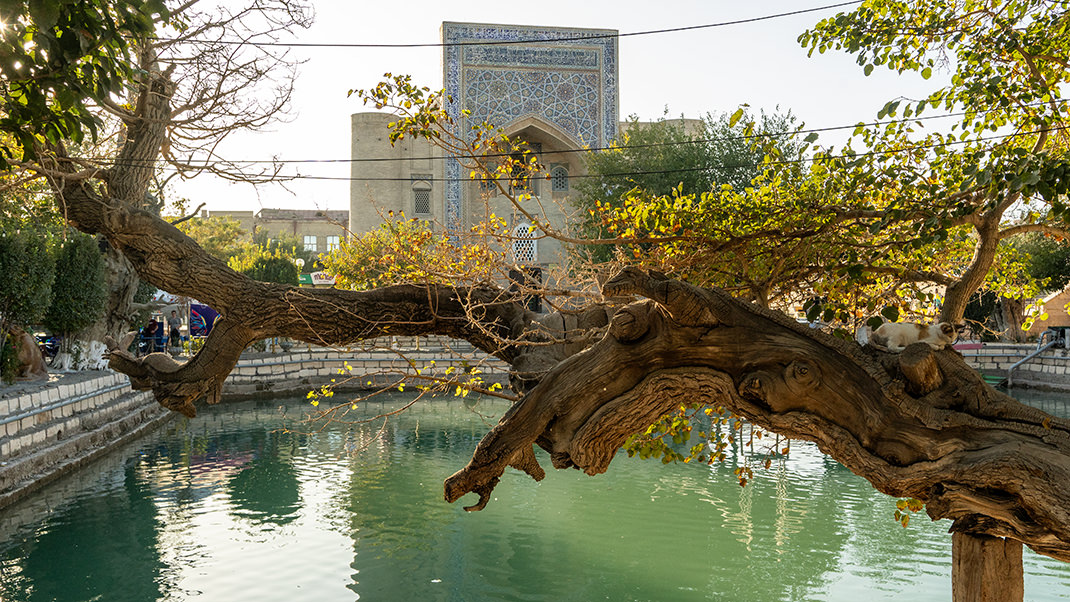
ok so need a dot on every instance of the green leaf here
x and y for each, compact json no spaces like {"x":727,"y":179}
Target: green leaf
{"x":891,"y":313}
{"x":734,"y":119}
{"x":45,"y":13}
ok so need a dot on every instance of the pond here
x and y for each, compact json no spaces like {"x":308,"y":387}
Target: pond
{"x":229,"y":506}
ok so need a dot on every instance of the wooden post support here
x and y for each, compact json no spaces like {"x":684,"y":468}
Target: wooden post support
{"x":986,"y":569}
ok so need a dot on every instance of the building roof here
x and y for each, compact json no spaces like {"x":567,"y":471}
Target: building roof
{"x":338,"y":215}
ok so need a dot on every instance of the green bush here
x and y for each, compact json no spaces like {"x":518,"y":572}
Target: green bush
{"x":80,"y":290}
{"x":27,"y":271}
{"x":9,"y":359}
{"x":272,"y":269}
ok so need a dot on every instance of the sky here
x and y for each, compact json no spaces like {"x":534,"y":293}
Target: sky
{"x":689,"y":73}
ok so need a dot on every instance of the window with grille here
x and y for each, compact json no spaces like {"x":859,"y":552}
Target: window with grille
{"x":332,"y":243}
{"x":310,"y":243}
{"x":421,"y":196}
{"x":525,"y":246}
{"x":559,"y":179}
{"x":421,"y":202}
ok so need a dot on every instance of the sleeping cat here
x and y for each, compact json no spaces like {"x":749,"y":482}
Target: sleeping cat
{"x":895,"y":336}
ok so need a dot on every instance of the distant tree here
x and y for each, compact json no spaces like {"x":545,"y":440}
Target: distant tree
{"x":220,"y":236}
{"x":80,"y":289}
{"x":1048,"y":259}
{"x":408,"y":250}
{"x":690,"y":155}
{"x":289,"y":245}
{"x":261,"y":264}
{"x":682,"y":157}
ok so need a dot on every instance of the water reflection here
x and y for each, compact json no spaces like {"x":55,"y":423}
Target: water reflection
{"x":231,"y":506}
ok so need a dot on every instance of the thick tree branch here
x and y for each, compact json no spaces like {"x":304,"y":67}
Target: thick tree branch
{"x":1027,"y":228}
{"x":993,"y":466}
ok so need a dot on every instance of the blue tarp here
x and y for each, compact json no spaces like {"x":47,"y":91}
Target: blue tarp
{"x":201,"y":319}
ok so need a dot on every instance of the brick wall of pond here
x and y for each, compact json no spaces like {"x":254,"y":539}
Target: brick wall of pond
{"x":377,"y":364}
{"x":50,"y":429}
{"x":1049,"y":370}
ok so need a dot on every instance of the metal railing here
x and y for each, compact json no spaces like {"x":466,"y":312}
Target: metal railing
{"x":1056,"y":339}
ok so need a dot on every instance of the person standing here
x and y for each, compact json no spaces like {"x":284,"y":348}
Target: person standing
{"x":174,"y":325}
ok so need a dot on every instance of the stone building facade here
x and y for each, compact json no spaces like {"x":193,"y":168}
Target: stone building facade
{"x":555,"y":89}
{"x":317,"y":230}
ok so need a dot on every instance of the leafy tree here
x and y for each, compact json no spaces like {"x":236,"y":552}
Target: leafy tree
{"x":25,"y":205}
{"x":25,"y":288}
{"x":289,"y":245}
{"x":1006,"y":76}
{"x":59,"y":58}
{"x":264,"y":265}
{"x":79,"y":290}
{"x":687,"y":155}
{"x":683,"y":158}
{"x":1048,"y":259}
{"x":220,"y":236}
{"x":410,"y":250}
{"x":918,"y":220}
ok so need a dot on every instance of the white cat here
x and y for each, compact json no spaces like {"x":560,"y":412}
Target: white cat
{"x":895,"y":336}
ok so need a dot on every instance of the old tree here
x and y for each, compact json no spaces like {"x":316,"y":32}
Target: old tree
{"x":158,"y":90}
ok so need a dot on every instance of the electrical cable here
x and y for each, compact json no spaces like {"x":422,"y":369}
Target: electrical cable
{"x":874,"y":124}
{"x":704,"y":167}
{"x":513,"y":42}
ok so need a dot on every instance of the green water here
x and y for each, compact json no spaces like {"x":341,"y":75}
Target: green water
{"x":227,"y":507}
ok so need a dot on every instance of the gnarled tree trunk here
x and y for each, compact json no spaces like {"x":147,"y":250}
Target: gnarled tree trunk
{"x":921,"y":425}
{"x":994,"y":466}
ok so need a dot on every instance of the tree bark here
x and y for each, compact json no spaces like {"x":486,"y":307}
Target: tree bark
{"x":986,"y":569}
{"x":993,"y":466}
{"x":973,"y":455}
{"x":958,"y":293}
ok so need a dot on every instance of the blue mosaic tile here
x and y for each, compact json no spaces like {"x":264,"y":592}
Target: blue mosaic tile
{"x":570,"y":83}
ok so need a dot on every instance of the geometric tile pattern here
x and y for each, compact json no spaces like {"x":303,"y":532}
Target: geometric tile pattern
{"x":564,"y":76}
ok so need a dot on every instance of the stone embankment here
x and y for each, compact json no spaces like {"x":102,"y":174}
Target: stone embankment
{"x":368,"y":367}
{"x":1050,"y":370}
{"x":49,"y":429}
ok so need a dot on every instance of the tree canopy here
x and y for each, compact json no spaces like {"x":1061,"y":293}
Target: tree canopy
{"x":895,"y":207}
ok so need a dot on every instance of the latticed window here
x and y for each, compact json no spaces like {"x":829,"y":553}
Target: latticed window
{"x":421,"y":195}
{"x":559,"y":179}
{"x":310,"y":243}
{"x":421,"y":202}
{"x":525,"y":245}
{"x":332,"y":243}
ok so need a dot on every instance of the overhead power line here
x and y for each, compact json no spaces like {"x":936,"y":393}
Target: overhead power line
{"x":204,"y":164}
{"x":578,"y":37}
{"x":713,"y":167}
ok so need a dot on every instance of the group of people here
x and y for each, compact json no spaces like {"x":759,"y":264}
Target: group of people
{"x":153,"y":335}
